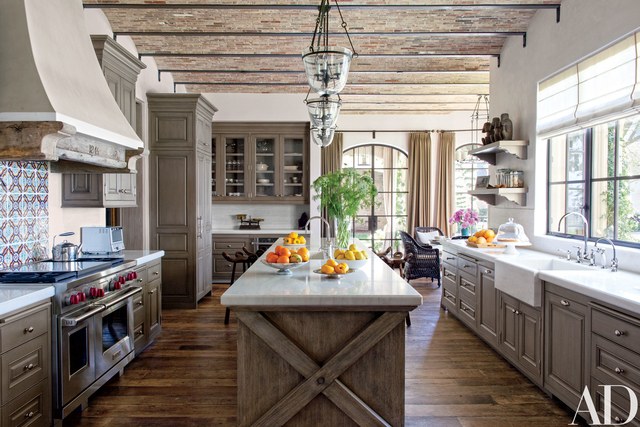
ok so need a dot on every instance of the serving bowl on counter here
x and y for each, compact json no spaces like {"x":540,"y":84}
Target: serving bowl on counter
{"x":354,"y":264}
{"x":284,"y":268}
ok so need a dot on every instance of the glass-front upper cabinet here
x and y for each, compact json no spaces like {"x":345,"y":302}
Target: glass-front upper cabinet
{"x":293,"y":168}
{"x":266,"y":165}
{"x":231,"y":167}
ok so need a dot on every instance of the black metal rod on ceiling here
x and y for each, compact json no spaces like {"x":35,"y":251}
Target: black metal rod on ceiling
{"x":405,"y":130}
{"x":350,"y":84}
{"x":295,"y":55}
{"x":450,"y":6}
{"x":351,"y":71}
{"x":307,"y":34}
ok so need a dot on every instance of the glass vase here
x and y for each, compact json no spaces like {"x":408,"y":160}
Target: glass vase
{"x":465,"y":231}
{"x":343,"y":232}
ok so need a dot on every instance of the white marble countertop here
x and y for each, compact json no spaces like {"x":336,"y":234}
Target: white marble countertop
{"x":143,"y":256}
{"x":279,"y":232}
{"x":373,"y":285}
{"x":621,"y":289}
{"x":14,"y":297}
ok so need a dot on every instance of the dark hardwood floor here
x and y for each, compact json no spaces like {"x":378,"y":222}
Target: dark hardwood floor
{"x":187,"y":378}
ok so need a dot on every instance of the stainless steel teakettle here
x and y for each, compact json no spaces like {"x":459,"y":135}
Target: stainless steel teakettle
{"x":65,"y":251}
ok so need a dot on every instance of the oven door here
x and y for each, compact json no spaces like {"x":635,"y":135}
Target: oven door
{"x":77,"y":351}
{"x":114,"y":331}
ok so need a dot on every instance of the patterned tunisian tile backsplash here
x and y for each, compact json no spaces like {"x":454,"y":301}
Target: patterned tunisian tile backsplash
{"x":24,"y":210}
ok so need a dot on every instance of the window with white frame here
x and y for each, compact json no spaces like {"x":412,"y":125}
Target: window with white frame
{"x":589,"y":114}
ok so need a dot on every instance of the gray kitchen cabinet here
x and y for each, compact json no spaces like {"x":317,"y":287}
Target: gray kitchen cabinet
{"x":229,"y":244}
{"x":467,"y":290}
{"x":520,"y":335}
{"x":180,"y":194}
{"x":147,"y":311}
{"x":449,"y":299}
{"x":260,"y":162}
{"x":615,"y":359}
{"x":25,"y":360}
{"x":487,"y":326}
{"x":121,"y":70}
{"x":565,"y":370}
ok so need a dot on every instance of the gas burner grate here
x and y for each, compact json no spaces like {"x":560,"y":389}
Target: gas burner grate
{"x":36,"y":277}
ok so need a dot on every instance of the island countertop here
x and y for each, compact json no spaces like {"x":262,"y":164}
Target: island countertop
{"x":15,"y":297}
{"x":373,"y":285}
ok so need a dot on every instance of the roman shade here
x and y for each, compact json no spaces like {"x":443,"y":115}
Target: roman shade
{"x":596,"y":89}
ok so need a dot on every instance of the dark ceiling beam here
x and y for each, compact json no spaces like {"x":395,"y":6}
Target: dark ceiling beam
{"x":296,"y":55}
{"x":485,"y":6}
{"x":309,"y":34}
{"x":302,"y":84}
{"x":212,"y":71}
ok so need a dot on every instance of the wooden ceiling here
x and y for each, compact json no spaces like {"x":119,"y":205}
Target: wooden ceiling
{"x":429,"y":57}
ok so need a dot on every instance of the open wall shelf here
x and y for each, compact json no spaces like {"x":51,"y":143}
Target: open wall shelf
{"x":494,"y":195}
{"x":488,"y":152}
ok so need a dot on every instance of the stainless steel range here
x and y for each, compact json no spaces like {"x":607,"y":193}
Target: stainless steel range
{"x":92,"y":320}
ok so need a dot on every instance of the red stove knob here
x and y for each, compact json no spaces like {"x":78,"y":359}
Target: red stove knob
{"x":93,"y":292}
{"x":82,"y":297}
{"x":117,"y":286}
{"x":73,"y":299}
{"x":134,"y":275}
{"x":100,"y":292}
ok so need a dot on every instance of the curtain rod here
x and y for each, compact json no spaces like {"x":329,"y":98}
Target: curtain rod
{"x":406,"y":130}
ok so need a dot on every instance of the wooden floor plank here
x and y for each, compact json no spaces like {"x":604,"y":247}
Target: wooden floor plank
{"x":188,"y":377}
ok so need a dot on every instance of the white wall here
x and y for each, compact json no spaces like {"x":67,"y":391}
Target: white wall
{"x":585,"y":27}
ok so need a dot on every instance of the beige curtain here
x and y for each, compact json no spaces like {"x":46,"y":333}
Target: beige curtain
{"x":445,"y":182}
{"x":419,"y":209}
{"x":331,"y":156}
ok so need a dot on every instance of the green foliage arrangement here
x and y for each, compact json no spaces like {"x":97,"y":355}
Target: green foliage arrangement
{"x":342,"y":193}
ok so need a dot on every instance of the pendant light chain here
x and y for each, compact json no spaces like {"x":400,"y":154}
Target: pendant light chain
{"x":343,"y":24}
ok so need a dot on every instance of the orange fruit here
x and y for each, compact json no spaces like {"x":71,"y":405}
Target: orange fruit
{"x":489,"y":233}
{"x":284,"y":251}
{"x":327,"y":269}
{"x":304,"y":253}
{"x":481,"y":240}
{"x":283,"y":259}
{"x":278,"y":249}
{"x":341,"y":268}
{"x":331,"y":262}
{"x":272,"y":257}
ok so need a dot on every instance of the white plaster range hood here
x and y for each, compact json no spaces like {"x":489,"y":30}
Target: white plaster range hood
{"x":54,"y":100}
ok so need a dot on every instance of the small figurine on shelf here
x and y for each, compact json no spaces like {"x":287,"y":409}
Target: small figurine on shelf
{"x":497,"y":130}
{"x":486,"y":129}
{"x":507,"y":127}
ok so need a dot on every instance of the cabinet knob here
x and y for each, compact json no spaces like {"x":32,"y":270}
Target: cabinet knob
{"x":29,"y":414}
{"x":156,"y":273}
{"x":29,"y":367}
{"x":488,"y":272}
{"x":140,"y":332}
{"x":151,"y":292}
{"x":618,"y":370}
{"x":28,"y":330}
{"x":565,"y":303}
{"x":140,"y":280}
{"x":140,"y":302}
{"x":618,"y":333}
{"x":617,"y":419}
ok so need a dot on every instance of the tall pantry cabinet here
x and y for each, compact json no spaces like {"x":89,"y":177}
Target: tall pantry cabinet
{"x":180,"y":194}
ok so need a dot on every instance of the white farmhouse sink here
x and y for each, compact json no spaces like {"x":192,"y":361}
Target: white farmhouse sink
{"x":518,"y":277}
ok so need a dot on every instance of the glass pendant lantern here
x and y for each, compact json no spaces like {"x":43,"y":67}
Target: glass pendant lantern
{"x":327,"y":69}
{"x":323,"y":111}
{"x":322,"y":137}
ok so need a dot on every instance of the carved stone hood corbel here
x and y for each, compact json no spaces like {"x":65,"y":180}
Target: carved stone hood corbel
{"x":55,"y":104}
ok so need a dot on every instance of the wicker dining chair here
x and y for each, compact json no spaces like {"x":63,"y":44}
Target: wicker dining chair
{"x":420,"y":260}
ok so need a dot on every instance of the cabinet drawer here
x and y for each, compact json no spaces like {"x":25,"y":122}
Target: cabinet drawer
{"x":450,"y":259}
{"x":449,"y":274}
{"x":449,"y":300}
{"x":32,"y":408}
{"x":613,"y":364}
{"x":24,"y":366}
{"x":619,"y":405}
{"x":142,"y":275}
{"x":467,"y":311}
{"x":450,"y":284}
{"x":138,"y":337}
{"x":23,"y":327}
{"x":467,"y":266}
{"x":616,"y":327}
{"x":138,"y":312}
{"x":227,"y":245}
{"x":221,"y":265}
{"x":154,"y":272}
{"x":467,"y":288}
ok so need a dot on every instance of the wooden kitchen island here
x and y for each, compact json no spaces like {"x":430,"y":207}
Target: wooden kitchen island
{"x":314,"y":350}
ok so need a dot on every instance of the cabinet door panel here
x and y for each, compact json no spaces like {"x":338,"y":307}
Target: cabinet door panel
{"x":508,"y":326}
{"x":487,"y":316}
{"x":530,"y":339}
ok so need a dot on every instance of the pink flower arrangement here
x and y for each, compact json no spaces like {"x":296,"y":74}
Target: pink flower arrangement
{"x":464,"y":218}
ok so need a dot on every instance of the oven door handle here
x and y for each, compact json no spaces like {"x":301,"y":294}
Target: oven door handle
{"x":73,"y":321}
{"x":132,"y":291}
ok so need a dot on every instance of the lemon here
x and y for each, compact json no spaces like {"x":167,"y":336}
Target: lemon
{"x":338,"y":252}
{"x":358,"y":255}
{"x":302,"y":240}
{"x":364,"y":254}
{"x":293,"y":235}
{"x":353,"y":247}
{"x":349,"y":255}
